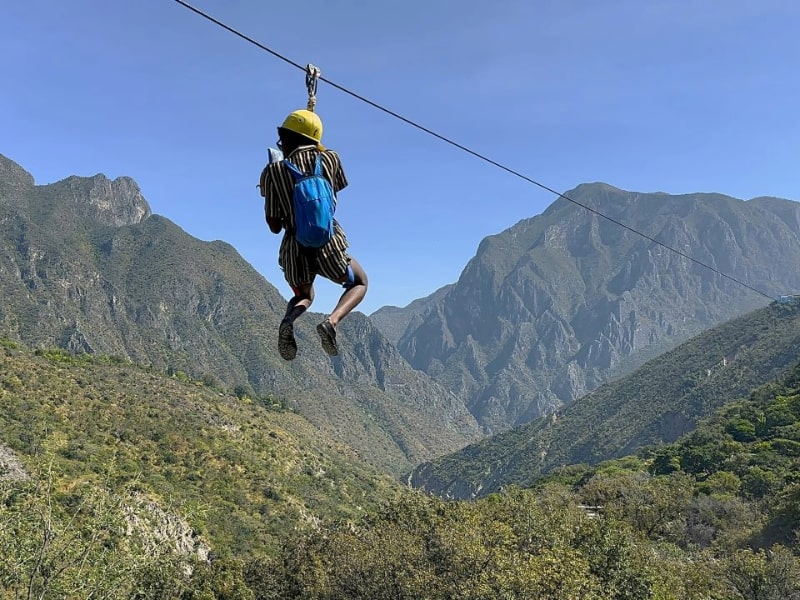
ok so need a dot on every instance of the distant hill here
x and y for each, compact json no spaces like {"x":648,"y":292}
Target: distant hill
{"x":393,"y":321}
{"x":561,"y":303}
{"x":86,"y":266}
{"x":657,"y":403}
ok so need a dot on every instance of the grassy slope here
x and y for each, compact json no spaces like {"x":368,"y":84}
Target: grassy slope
{"x":242,"y":472}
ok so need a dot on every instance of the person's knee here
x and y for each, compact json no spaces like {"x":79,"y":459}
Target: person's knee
{"x":302,"y":293}
{"x":359,"y":274}
{"x":354,"y":277}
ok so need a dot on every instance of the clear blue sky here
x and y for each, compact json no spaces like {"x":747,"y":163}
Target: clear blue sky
{"x":663,"y":95}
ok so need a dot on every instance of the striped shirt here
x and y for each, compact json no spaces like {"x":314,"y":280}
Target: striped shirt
{"x":277,"y":186}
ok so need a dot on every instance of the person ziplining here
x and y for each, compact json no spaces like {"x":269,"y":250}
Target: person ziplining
{"x":299,"y":185}
{"x":303,"y":132}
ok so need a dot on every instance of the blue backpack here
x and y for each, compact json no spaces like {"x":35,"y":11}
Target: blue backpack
{"x":313,"y":205}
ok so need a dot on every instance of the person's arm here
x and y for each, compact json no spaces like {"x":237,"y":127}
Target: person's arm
{"x":271,"y":211}
{"x":338,"y":178}
{"x":275,"y":224}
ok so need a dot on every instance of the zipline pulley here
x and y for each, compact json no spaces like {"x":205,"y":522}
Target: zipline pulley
{"x":312,"y":76}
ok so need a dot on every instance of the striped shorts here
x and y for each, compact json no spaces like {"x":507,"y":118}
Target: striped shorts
{"x":301,"y":265}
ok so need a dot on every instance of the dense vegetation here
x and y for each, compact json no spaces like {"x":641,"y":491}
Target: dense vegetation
{"x":177,"y":462}
{"x":714,"y":516}
{"x":145,"y":486}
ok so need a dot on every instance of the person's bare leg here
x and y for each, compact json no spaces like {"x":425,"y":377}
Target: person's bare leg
{"x":297,"y":305}
{"x":302,"y":300}
{"x":353,"y":296}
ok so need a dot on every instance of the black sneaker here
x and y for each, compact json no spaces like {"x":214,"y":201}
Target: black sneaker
{"x":327,"y":335}
{"x":287,"y":346}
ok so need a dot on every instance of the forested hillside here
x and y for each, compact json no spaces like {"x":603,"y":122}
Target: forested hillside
{"x":183,"y":464}
{"x":252,"y":507}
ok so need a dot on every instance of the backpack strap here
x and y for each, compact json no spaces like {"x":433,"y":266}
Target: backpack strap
{"x":296,"y":173}
{"x":318,"y":165}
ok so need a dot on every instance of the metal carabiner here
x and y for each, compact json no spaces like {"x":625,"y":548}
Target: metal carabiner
{"x":312,"y":76}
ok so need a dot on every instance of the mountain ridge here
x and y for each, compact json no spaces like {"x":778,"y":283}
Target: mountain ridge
{"x":555,"y":305}
{"x":546,"y":311}
{"x":657,"y":403}
{"x":86,"y":266}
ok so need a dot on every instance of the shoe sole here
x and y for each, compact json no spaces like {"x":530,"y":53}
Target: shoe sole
{"x":328,"y":342}
{"x":287,"y":346}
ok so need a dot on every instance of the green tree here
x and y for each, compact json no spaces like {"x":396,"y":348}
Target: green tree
{"x":721,"y":483}
{"x":764,"y":574}
{"x":53,"y":551}
{"x":652,"y":505}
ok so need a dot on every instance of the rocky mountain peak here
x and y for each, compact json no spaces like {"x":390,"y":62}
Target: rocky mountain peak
{"x":13,"y":179}
{"x":116,"y":202}
{"x":557,"y":304}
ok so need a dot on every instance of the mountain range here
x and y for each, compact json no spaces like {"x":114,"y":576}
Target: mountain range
{"x":545,"y":312}
{"x":86,"y":266}
{"x":560,"y":303}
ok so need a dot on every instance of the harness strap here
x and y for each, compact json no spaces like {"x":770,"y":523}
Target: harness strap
{"x":298,"y":174}
{"x":351,"y":278}
{"x":318,"y":165}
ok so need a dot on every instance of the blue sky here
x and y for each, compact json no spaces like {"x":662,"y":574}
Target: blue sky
{"x":676,"y":96}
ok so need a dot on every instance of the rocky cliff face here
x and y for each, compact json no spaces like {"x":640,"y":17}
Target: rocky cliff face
{"x":75,"y":200}
{"x":113,"y":203}
{"x":11,"y":468}
{"x":552,"y":307}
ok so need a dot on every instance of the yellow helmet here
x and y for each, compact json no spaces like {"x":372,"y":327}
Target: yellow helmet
{"x":306,"y":123}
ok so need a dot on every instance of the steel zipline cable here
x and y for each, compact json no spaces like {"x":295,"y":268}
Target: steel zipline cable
{"x":470,"y":151}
